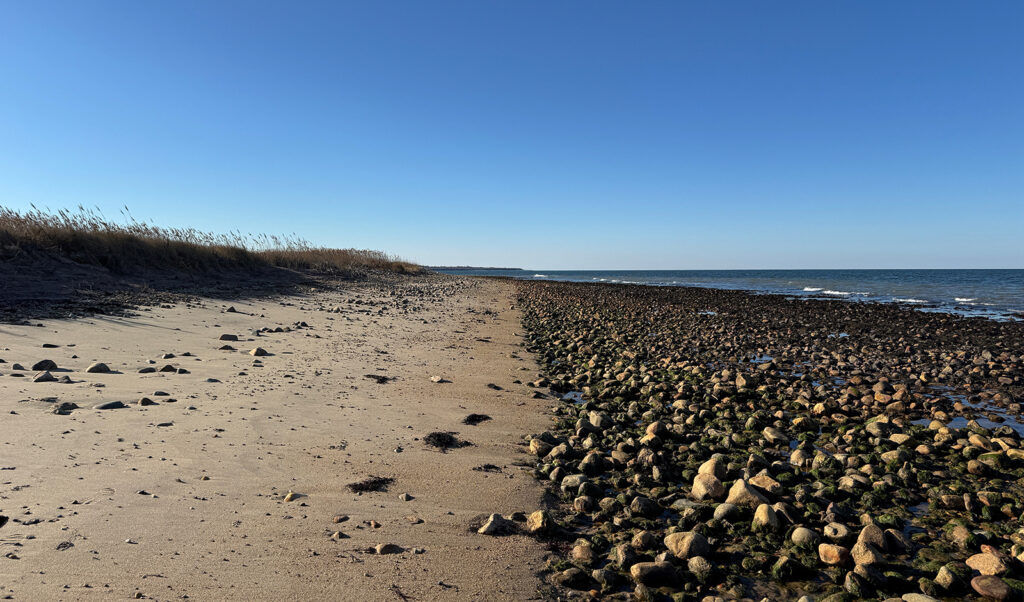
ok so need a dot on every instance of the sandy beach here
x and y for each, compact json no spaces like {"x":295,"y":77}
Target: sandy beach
{"x":184,"y":497}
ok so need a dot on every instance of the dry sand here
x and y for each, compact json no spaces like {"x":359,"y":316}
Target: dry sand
{"x":184,"y":498}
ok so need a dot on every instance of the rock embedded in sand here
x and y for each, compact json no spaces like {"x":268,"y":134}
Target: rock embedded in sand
{"x":388,"y":548}
{"x":539,"y":522}
{"x":228,"y":337}
{"x":497,"y":525}
{"x":44,"y":365}
{"x":44,"y":377}
{"x":540,"y":448}
{"x":110,"y":405}
{"x":64,"y":408}
{"x":98,"y":368}
{"x":258,"y":352}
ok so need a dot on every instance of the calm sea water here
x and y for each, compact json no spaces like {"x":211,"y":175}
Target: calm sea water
{"x":991,"y":293}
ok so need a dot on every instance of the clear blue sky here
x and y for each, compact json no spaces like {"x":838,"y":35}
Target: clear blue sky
{"x":568,"y":134}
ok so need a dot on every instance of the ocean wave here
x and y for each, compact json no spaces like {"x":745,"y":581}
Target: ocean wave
{"x":842,"y":293}
{"x":964,"y":299}
{"x":540,"y":275}
{"x":910,"y":300}
{"x":811,"y":289}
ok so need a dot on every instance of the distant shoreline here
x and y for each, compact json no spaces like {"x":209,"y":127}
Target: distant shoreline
{"x":468,"y":267}
{"x":983,"y":293}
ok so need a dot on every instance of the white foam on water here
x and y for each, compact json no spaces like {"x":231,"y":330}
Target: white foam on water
{"x":910,"y":300}
{"x":540,"y":275}
{"x":811,"y":289}
{"x":964,"y":299}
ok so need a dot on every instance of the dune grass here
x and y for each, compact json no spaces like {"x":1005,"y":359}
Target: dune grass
{"x":85,"y":236}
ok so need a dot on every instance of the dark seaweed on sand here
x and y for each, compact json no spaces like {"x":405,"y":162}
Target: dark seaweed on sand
{"x":444,"y":441}
{"x":475,"y":419}
{"x":371,"y":484}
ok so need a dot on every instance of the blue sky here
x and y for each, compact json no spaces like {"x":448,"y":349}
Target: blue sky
{"x":576,"y":134}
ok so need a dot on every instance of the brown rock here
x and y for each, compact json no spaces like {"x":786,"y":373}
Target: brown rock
{"x":539,"y":522}
{"x":988,"y":564}
{"x":865,"y":553}
{"x":742,"y":494}
{"x":707,"y":486}
{"x":832,"y":554}
{"x":654,"y":574}
{"x":992,"y":588}
{"x":686,"y":544}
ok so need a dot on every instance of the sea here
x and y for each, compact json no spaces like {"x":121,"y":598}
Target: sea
{"x":994,"y":294}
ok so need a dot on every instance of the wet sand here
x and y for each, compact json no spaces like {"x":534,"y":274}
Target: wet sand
{"x":185,"y":498}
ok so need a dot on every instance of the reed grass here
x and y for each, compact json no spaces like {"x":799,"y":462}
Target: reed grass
{"x":86,"y":236}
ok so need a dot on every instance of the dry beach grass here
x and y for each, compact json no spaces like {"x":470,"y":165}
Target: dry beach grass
{"x":86,"y":237}
{"x":73,"y":263}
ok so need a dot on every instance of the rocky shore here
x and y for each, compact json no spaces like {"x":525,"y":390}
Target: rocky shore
{"x":715,"y":445}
